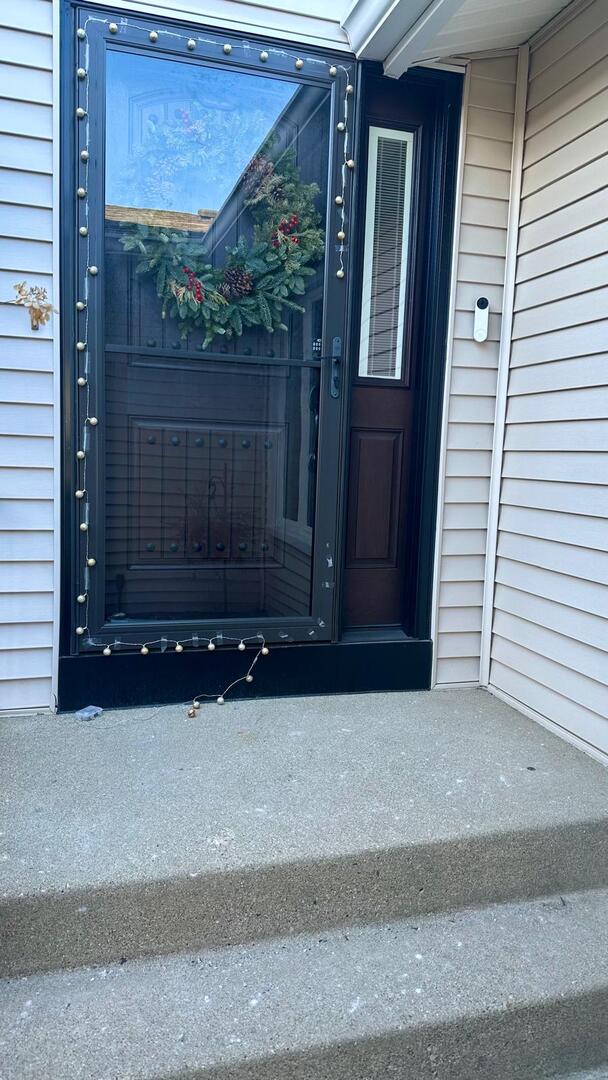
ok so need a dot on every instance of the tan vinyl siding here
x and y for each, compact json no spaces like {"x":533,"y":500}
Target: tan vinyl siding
{"x":550,"y":628}
{"x":26,"y":358}
{"x":472,"y":379}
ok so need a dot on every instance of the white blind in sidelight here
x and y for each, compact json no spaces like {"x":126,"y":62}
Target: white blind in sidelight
{"x":387,"y":230}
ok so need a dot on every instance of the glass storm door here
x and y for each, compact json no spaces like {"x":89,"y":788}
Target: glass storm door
{"x":213,"y":206}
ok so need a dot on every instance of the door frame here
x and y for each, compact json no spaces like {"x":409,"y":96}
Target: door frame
{"x":322,"y":624}
{"x":428,"y":325}
{"x":345,"y":663}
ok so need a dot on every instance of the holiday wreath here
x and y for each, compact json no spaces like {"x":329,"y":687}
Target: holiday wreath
{"x":260,"y":279}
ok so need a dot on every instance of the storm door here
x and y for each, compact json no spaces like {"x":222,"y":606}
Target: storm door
{"x":214,"y":216}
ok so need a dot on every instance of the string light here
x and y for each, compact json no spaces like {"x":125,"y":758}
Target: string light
{"x":82,"y":308}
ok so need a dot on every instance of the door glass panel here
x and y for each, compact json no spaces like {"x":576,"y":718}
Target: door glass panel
{"x":387,"y":229}
{"x":215,"y":195}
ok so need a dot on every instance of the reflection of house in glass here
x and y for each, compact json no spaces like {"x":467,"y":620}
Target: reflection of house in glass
{"x":188,"y":132}
{"x":165,"y":219}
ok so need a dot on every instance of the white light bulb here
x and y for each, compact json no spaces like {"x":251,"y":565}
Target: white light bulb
{"x":91,"y":561}
{"x":265,"y":650}
{"x":107,"y":651}
{"x":80,"y":630}
{"x":80,"y":455}
{"x":83,"y":526}
{"x":81,"y":598}
{"x":144,"y":650}
{"x":211,"y":646}
{"x":248,"y":678}
{"x":241,"y":646}
{"x":79,"y":494}
{"x":220,"y":700}
{"x":179,"y":647}
{"x":81,"y":380}
{"x":93,"y":421}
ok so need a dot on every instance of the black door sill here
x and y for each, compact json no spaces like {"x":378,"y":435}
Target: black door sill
{"x":374,"y":634}
{"x":348,"y":667}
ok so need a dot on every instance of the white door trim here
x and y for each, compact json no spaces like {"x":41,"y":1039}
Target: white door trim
{"x":504,"y":354}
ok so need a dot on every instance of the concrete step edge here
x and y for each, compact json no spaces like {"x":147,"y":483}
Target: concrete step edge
{"x":516,"y":991}
{"x":52,"y":930}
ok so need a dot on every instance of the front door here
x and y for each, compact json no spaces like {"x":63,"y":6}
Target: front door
{"x":210,"y":304}
{"x":396,"y":361}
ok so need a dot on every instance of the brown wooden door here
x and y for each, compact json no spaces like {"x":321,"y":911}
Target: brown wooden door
{"x":382,"y":519}
{"x":380,"y":442}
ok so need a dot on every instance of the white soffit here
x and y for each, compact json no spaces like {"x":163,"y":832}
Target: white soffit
{"x":481,"y":25}
{"x":404,"y":32}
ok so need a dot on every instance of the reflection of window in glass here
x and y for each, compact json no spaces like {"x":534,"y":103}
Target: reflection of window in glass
{"x":387,"y":231}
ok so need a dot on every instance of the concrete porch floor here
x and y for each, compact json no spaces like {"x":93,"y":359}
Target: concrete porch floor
{"x":287,"y":791}
{"x":147,"y":842}
{"x":148,"y":793}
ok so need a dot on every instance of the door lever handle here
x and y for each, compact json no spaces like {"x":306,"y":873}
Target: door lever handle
{"x":335,"y":360}
{"x":335,"y":377}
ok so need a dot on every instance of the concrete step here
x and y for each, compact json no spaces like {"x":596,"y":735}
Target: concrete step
{"x":144,"y":833}
{"x":509,"y":992}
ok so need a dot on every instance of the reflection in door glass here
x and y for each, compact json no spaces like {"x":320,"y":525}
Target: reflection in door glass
{"x":215,"y":194}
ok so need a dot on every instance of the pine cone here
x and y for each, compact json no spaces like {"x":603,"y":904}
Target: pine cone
{"x":237,"y":282}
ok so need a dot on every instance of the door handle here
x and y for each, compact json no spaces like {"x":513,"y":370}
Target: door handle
{"x":335,"y":374}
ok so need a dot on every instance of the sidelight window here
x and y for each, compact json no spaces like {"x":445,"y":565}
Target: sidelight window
{"x":387,"y":236}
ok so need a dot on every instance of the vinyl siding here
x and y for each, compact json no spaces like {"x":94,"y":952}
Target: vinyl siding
{"x":550,"y":627}
{"x":26,"y":358}
{"x":471,"y":380}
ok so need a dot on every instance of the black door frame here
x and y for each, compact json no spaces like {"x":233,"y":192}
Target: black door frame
{"x":299,"y":668}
